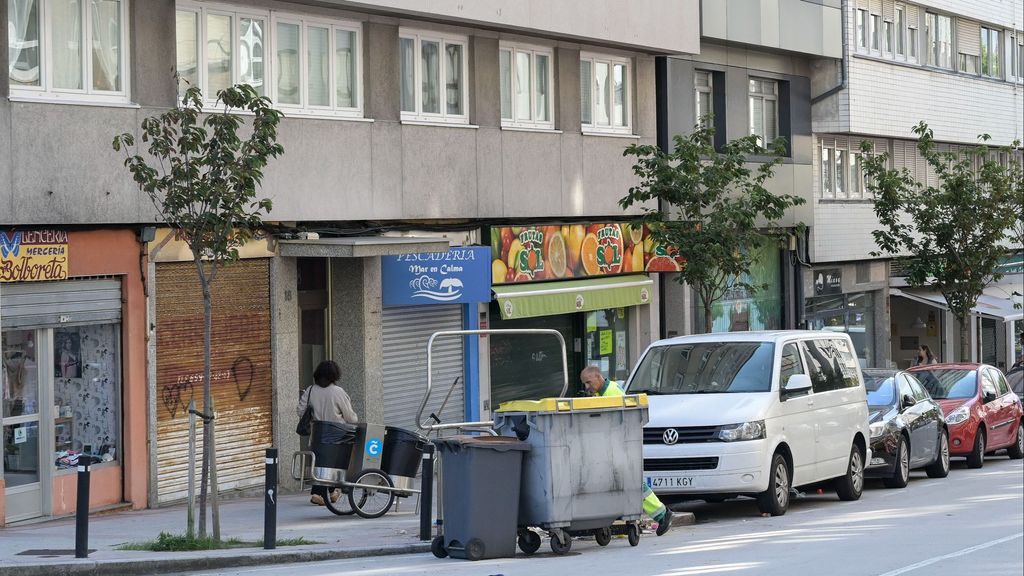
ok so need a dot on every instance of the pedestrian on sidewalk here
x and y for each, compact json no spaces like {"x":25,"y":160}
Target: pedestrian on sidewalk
{"x":330,"y":404}
{"x":596,"y":385}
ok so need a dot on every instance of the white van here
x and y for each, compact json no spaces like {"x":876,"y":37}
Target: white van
{"x":753,"y":414}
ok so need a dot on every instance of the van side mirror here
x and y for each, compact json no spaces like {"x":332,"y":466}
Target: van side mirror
{"x":797,"y":383}
{"x":908,"y":401}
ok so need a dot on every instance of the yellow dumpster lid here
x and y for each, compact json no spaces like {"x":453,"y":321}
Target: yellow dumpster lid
{"x":575,"y":404}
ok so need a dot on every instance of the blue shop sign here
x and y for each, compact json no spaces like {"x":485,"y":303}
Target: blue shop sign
{"x":461,"y":275}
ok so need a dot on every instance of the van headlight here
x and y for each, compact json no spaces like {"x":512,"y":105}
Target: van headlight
{"x":745,"y":431}
{"x":959,"y":415}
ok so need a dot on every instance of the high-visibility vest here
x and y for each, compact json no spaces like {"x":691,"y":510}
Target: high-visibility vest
{"x":611,"y":388}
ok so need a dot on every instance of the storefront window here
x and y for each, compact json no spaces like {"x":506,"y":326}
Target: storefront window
{"x":849,"y":313}
{"x":607,"y":342}
{"x":87,"y":397}
{"x":742,"y":309}
{"x":20,"y":407}
{"x":529,"y":367}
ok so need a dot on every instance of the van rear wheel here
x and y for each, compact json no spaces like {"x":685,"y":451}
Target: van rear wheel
{"x":775,"y":499}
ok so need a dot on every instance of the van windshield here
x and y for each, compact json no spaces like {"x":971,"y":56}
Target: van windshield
{"x":705,"y":368}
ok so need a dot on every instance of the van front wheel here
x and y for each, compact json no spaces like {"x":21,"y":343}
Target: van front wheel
{"x":775,"y":500}
{"x":849,"y":486}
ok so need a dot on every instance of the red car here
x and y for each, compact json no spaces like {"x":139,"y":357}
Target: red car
{"x":982,"y":413}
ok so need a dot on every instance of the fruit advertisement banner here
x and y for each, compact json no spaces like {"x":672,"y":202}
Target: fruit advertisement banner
{"x":531,"y":253}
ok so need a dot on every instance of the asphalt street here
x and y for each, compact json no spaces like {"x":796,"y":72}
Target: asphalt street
{"x":971,"y":523}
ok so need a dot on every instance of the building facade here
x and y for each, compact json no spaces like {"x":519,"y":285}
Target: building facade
{"x":412,"y":132}
{"x":959,"y":66}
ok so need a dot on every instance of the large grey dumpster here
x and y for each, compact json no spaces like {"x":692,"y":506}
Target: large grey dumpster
{"x":480,"y":477}
{"x":584,"y":469}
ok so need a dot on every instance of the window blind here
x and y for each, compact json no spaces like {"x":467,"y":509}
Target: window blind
{"x":968,"y":37}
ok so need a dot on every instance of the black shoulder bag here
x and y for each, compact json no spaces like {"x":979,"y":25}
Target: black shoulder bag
{"x":303,"y":428}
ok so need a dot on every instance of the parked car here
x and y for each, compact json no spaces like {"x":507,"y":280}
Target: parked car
{"x":907,"y":427}
{"x":754,"y":414}
{"x":982,"y":413}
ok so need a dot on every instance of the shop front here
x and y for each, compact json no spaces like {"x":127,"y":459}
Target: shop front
{"x":72,"y":338}
{"x":851,"y":298}
{"x":588,"y":282}
{"x":423,"y":294}
{"x":743,"y":309}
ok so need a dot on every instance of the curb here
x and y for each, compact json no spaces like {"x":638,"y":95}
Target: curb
{"x":683,"y":519}
{"x":143,"y":566}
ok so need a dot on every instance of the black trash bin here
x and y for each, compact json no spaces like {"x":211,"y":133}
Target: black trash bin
{"x":331,"y":442}
{"x":403,"y":452}
{"x":480,"y":489}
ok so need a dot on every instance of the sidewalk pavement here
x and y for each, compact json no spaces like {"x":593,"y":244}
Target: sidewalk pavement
{"x":48,"y":548}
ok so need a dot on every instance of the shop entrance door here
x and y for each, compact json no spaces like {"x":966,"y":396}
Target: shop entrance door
{"x":607,"y":342}
{"x":22,"y":448}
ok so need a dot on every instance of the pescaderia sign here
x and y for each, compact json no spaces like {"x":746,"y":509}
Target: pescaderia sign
{"x":33,"y":255}
{"x":459,"y":276}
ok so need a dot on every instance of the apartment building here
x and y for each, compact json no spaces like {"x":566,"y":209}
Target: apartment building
{"x":447,"y":165}
{"x":959,"y":66}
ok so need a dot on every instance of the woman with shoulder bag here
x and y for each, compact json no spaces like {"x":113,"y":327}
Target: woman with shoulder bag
{"x":330,"y":403}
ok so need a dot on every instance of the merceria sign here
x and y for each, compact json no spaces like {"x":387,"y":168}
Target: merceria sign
{"x":33,"y":255}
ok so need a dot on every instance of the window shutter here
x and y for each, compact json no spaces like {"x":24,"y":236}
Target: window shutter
{"x":586,"y":86}
{"x":876,"y":6}
{"x":864,"y":4}
{"x":913,"y":16}
{"x":889,"y":10}
{"x":841,"y":143}
{"x":899,"y":155}
{"x":968,"y":37}
{"x":921,"y":167}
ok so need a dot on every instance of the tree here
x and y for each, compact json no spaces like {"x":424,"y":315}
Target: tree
{"x":950,"y":236}
{"x":713,"y":211}
{"x":202,"y":177}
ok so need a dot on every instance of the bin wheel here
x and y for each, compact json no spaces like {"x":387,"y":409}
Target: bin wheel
{"x":633,"y":534}
{"x":474,"y":549}
{"x":561,"y":542}
{"x":603,"y":536}
{"x":342,"y":507}
{"x":372,"y":502}
{"x":437,"y":547}
{"x":529,"y":542}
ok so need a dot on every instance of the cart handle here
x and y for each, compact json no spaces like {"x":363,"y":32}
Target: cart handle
{"x":495,"y":331}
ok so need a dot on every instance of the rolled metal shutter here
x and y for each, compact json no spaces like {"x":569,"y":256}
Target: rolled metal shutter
{"x":406,"y":331}
{"x":889,"y":10}
{"x":60,"y":303}
{"x":241,"y":373}
{"x":968,"y":37}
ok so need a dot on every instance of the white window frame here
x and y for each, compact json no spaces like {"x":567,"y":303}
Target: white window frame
{"x":270,"y":19}
{"x":863,"y":30}
{"x":856,"y":165}
{"x":764,"y":98}
{"x":934,"y":48}
{"x":988,"y":33}
{"x":443,"y":39}
{"x":875,"y":34}
{"x":828,"y":187}
{"x":627,"y":103}
{"x":1015,"y":64}
{"x":901,"y":35}
{"x":698,"y":90}
{"x":87,"y":94}
{"x":515,"y":48}
{"x":888,"y":37}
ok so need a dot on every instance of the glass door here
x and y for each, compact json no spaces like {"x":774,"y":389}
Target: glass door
{"x":607,"y":342}
{"x":22,"y":454}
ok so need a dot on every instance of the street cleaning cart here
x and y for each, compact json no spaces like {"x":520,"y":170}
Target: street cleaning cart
{"x":584,"y":469}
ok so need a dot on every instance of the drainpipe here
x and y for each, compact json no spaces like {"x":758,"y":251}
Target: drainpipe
{"x":842,"y":65}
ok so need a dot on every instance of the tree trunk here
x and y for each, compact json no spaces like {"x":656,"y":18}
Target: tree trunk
{"x":207,"y":397}
{"x":965,"y":337}
{"x":708,"y":320}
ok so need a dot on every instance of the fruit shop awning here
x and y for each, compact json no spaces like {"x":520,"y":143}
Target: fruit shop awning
{"x":548,"y":299}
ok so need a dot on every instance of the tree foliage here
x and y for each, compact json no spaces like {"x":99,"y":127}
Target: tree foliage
{"x":949,"y":235}
{"x":202,"y":176}
{"x":712,"y":211}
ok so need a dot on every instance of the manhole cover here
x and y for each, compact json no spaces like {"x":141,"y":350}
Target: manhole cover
{"x":46,"y":553}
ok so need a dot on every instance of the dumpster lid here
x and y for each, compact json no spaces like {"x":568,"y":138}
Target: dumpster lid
{"x":499,"y":443}
{"x":629,"y":401}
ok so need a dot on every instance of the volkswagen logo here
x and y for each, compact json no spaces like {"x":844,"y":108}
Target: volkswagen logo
{"x":671,"y":436}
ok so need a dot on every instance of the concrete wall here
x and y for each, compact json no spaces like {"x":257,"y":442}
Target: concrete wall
{"x":810,"y":27}
{"x":336,"y":169}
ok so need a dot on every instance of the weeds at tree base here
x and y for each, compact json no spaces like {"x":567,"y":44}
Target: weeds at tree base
{"x":166,"y":542}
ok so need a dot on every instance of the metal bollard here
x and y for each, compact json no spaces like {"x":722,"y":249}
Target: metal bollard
{"x":427,"y":492}
{"x":270,"y":501}
{"x":82,"y":508}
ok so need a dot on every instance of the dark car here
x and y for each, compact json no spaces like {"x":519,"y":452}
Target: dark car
{"x":907,"y":428}
{"x":982,"y":412}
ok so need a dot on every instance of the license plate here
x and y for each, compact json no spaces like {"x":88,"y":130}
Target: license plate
{"x":669,"y":481}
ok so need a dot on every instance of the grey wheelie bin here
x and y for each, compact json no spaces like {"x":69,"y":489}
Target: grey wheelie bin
{"x":584,"y":470}
{"x":480,"y":478}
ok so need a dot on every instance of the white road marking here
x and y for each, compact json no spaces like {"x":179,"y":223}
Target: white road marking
{"x":956,"y":554}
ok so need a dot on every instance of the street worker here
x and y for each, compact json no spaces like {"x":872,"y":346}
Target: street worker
{"x":596,"y":385}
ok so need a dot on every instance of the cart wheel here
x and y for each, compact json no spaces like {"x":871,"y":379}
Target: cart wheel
{"x":529,"y":542}
{"x":474,"y":549}
{"x":560,"y":541}
{"x":342,"y":507}
{"x":372,"y":502}
{"x":603,"y":536}
{"x":437,"y":547}
{"x":633,"y":534}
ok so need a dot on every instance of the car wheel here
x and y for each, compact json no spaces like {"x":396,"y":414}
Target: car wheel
{"x":849,"y":486}
{"x":901,"y":475}
{"x":1016,"y":451}
{"x":940,"y":468}
{"x":976,"y":459}
{"x":775,"y":499}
